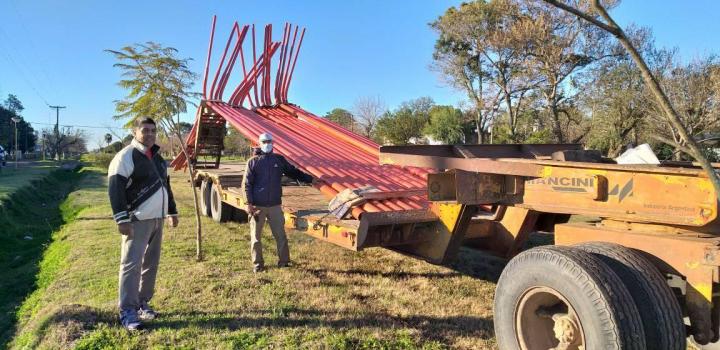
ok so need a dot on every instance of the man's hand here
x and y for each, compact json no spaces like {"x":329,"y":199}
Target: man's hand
{"x":126,"y":229}
{"x":172,"y":220}
{"x":250,"y":209}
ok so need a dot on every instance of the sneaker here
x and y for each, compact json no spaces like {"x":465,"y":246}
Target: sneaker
{"x":257,"y":269}
{"x":130,"y":321}
{"x":146,"y":313}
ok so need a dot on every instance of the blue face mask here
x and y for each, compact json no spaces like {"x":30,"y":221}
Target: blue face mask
{"x":266,"y":147}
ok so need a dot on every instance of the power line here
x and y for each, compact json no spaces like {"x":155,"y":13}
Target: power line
{"x":20,"y":69}
{"x":33,"y":47}
{"x":79,"y":126}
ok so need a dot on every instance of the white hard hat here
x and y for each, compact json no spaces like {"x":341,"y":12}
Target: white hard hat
{"x":265,"y":137}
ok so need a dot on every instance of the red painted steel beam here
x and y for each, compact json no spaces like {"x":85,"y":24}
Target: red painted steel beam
{"x":207,"y":61}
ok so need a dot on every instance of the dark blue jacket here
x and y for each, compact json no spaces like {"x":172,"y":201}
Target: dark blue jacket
{"x":263,"y":176}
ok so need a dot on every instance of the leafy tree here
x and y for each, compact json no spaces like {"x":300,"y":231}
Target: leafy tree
{"x":26,"y":138}
{"x":446,"y":125}
{"x":158,"y":84}
{"x":420,"y":106}
{"x":400,"y":126}
{"x":693,"y":90}
{"x":619,"y":105}
{"x":460,"y":56}
{"x":341,"y":117}
{"x":597,"y":15}
{"x":185,"y":127}
{"x":559,"y":45}
{"x":13,"y":104}
{"x":236,"y":144}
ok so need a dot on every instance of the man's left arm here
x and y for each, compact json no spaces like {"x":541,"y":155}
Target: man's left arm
{"x":172,"y":208}
{"x":294,"y":173}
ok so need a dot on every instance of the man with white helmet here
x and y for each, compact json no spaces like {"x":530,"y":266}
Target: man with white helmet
{"x":263,"y":193}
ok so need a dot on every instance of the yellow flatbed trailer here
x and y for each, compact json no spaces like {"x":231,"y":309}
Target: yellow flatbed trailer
{"x":644,"y":274}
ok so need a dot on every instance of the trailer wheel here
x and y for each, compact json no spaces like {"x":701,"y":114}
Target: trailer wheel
{"x":659,"y":309}
{"x":205,"y":195}
{"x":220,"y":211}
{"x":564,"y":298}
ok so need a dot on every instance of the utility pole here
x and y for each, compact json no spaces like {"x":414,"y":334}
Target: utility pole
{"x":57,"y":131}
{"x":16,"y":120}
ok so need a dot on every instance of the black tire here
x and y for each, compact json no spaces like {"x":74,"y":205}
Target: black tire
{"x":602,"y":303}
{"x":220,"y":212}
{"x":205,"y":194}
{"x":659,"y":309}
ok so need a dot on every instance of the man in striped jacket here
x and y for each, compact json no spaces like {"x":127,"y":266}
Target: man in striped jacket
{"x":140,"y":196}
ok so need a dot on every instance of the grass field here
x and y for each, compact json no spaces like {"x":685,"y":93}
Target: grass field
{"x":12,"y":179}
{"x":331,"y":298}
{"x":31,"y":210}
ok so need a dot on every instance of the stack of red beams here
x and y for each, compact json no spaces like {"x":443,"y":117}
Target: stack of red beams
{"x":339,"y":158}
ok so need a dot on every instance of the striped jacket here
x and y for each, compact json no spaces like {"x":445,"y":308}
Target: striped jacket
{"x":139,"y":188}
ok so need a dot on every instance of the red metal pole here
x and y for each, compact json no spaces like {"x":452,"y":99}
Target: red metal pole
{"x":257,"y":102}
{"x":266,"y":77}
{"x":207,"y":61}
{"x":231,"y":62}
{"x":289,"y":78}
{"x":222,"y":62}
{"x":287,"y":68}
{"x":281,"y":65}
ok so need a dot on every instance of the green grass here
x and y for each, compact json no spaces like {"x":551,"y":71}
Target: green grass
{"x":12,"y":179}
{"x":330,"y":299}
{"x":28,"y":217}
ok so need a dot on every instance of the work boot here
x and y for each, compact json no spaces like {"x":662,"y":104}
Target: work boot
{"x":146,"y":313}
{"x":258,"y":269}
{"x":130,"y":321}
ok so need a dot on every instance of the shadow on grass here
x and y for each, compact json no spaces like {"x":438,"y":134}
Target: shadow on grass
{"x":28,"y":219}
{"x":396,"y":275}
{"x":442,"y":329}
{"x":78,"y":319}
{"x":469,"y":262}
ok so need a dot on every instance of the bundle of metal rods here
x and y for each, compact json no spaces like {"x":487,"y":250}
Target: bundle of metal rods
{"x":337,"y":157}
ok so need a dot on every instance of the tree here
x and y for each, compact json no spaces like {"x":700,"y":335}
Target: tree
{"x":108,"y":139}
{"x":185,"y":128}
{"x":558,"y":46}
{"x":26,"y":138}
{"x":236,"y":144}
{"x":341,"y":117}
{"x":400,"y":126}
{"x":158,"y":84}
{"x":13,"y":104}
{"x":464,"y":56}
{"x":71,"y":141}
{"x":420,"y":106}
{"x":368,"y":111}
{"x":693,"y":90}
{"x":445,"y":125}
{"x":618,"y":103}
{"x":687,"y":144}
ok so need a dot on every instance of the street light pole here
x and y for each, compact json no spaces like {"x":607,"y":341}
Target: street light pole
{"x":16,"y":120}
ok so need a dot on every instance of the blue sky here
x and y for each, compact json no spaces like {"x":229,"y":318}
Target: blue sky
{"x":52,"y":51}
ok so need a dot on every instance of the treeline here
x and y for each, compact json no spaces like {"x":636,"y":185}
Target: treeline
{"x":11,"y":108}
{"x":535,"y":74}
{"x":32,"y":143}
